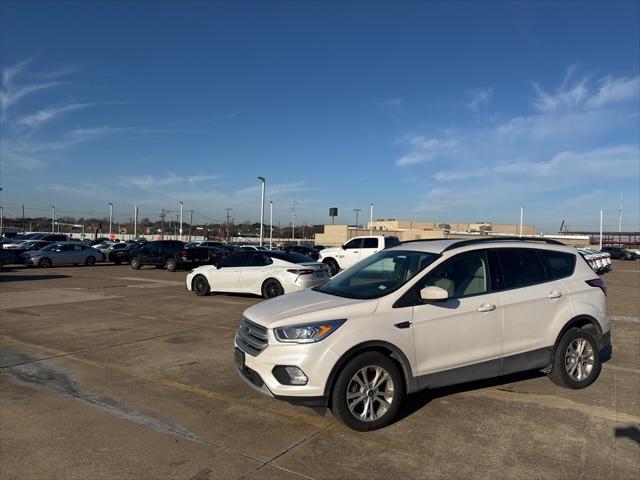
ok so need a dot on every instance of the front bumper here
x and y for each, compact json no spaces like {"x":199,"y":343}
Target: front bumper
{"x":316,"y":361}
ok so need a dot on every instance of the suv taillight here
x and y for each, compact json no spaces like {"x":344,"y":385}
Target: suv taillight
{"x":598,"y":282}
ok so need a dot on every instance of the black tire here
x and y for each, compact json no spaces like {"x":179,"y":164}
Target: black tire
{"x":272,"y":288}
{"x":91,"y":261}
{"x":170,"y":264}
{"x":200,"y":286}
{"x":135,"y":263}
{"x":345,"y":383}
{"x":333,"y":265}
{"x":45,"y":263}
{"x":564,"y":371}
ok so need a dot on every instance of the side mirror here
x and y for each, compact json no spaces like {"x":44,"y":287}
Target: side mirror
{"x":343,"y":247}
{"x":218,"y":266}
{"x":434,"y":294}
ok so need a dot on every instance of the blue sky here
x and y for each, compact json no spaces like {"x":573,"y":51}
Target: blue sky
{"x":453,"y":111}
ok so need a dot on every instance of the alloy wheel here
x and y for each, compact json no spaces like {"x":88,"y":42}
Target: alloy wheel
{"x":370,"y":393}
{"x":578,"y":359}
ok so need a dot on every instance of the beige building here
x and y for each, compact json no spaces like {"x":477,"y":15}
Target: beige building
{"x":475,"y":228}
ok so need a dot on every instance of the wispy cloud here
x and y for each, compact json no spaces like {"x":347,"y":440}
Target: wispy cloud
{"x":425,"y":149}
{"x":390,"y":102}
{"x":479,"y":98}
{"x":35,"y":120}
{"x":151,"y":182}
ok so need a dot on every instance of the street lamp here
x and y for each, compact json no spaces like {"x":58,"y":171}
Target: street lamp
{"x":181,"y":205}
{"x":110,"y":219}
{"x":262,"y":179}
{"x":371,"y":219}
{"x":53,"y":219}
{"x":270,"y":224}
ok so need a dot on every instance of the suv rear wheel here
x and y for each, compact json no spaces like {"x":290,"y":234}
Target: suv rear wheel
{"x":170,"y":264}
{"x":576,"y":362}
{"x":135,"y":263}
{"x":368,"y":392}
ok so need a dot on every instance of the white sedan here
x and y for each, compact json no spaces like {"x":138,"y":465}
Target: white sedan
{"x":267,"y":273}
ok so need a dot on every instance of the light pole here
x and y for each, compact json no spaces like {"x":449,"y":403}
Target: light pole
{"x":53,"y":219}
{"x":2,"y":221}
{"x":293,"y":220}
{"x":110,"y":219}
{"x":521,"y":217}
{"x":270,"y":224}
{"x":262,"y":179}
{"x":357,"y":210}
{"x":181,"y":205}
{"x":600,"y":242}
{"x":620,"y":215}
{"x":371,"y":219}
{"x":135,"y":222}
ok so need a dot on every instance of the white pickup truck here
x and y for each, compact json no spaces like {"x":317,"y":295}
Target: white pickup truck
{"x":341,"y":258}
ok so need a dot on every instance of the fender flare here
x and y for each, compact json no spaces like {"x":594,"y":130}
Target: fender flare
{"x":576,"y":322}
{"x":411,"y":383}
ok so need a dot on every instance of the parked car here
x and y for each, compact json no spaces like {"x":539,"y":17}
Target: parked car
{"x":302,"y":250}
{"x":49,"y":237}
{"x":109,"y":253}
{"x":211,"y":243}
{"x":61,"y":253}
{"x":423,"y":315}
{"x":29,"y":246}
{"x":619,"y":253}
{"x":269,"y":273}
{"x":215,"y":254}
{"x":599,"y":262}
{"x":169,"y":254}
{"x":252,"y":247}
{"x":354,"y":250}
{"x":6,"y":257}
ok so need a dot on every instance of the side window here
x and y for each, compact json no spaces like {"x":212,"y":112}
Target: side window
{"x":259,"y":261}
{"x":521,"y":267}
{"x":237,"y":260}
{"x":370,"y":243}
{"x":67,"y":248}
{"x":462,"y":276}
{"x":152,"y":245}
{"x":355,"y":243}
{"x":78,"y":248}
{"x":391,"y":242}
{"x":559,"y":264}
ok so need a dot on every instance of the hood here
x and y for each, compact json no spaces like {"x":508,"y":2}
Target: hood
{"x":329,"y":251}
{"x":307,"y":306}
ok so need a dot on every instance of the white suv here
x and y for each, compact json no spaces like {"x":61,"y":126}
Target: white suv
{"x":427,"y":314}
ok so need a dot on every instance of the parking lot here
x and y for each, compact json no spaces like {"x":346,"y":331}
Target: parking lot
{"x":111,"y":373}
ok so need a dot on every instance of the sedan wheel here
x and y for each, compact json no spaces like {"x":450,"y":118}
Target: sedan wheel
{"x":45,"y":263}
{"x":201,"y":286}
{"x":272,"y":288}
{"x":90,"y":261}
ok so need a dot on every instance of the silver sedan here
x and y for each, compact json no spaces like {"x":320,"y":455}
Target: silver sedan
{"x":63,"y":253}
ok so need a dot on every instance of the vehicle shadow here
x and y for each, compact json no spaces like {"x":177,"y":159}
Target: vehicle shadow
{"x":26,"y":278}
{"x":418,"y":400}
{"x":632,"y":432}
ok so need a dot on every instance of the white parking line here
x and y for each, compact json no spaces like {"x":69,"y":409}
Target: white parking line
{"x":621,"y":318}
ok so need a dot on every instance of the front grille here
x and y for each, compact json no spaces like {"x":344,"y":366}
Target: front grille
{"x":251,"y":337}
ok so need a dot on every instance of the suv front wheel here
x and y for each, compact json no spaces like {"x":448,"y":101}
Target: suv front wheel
{"x":576,"y":362}
{"x":368,"y":392}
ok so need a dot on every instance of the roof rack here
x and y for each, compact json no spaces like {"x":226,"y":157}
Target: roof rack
{"x":473,"y":241}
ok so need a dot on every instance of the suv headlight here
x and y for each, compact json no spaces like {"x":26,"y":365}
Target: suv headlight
{"x":307,"y":333}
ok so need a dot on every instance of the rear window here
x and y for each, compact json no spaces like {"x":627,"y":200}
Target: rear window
{"x":391,"y":242}
{"x":559,"y":264}
{"x":292,"y":257}
{"x":521,"y":267}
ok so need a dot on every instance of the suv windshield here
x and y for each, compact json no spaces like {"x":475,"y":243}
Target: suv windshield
{"x":379,"y":274}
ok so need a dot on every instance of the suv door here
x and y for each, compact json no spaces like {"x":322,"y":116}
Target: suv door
{"x":350,"y":253}
{"x":464,"y":330}
{"x":531,"y":301}
{"x":150,"y":254}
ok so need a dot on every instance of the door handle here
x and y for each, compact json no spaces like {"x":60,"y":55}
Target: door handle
{"x":554,"y":294}
{"x":486,"y":307}
{"x":403,"y":325}
{"x":356,"y":251}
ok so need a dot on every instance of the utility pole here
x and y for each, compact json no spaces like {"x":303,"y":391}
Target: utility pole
{"x":190,"y":223}
{"x":162,"y":224}
{"x":357,"y":210}
{"x":371,"y":219}
{"x":53,"y":219}
{"x":600,"y":243}
{"x":2,"y":221}
{"x":620,"y":215}
{"x":228,"y":210}
{"x":181,"y":205}
{"x":135,"y":222}
{"x":270,"y":224}
{"x":23,"y":218}
{"x":293,"y":219}
{"x":110,"y":220}
{"x":521,"y":217}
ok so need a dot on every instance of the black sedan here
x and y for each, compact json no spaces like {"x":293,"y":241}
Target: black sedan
{"x":303,"y":250}
{"x":619,"y":253}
